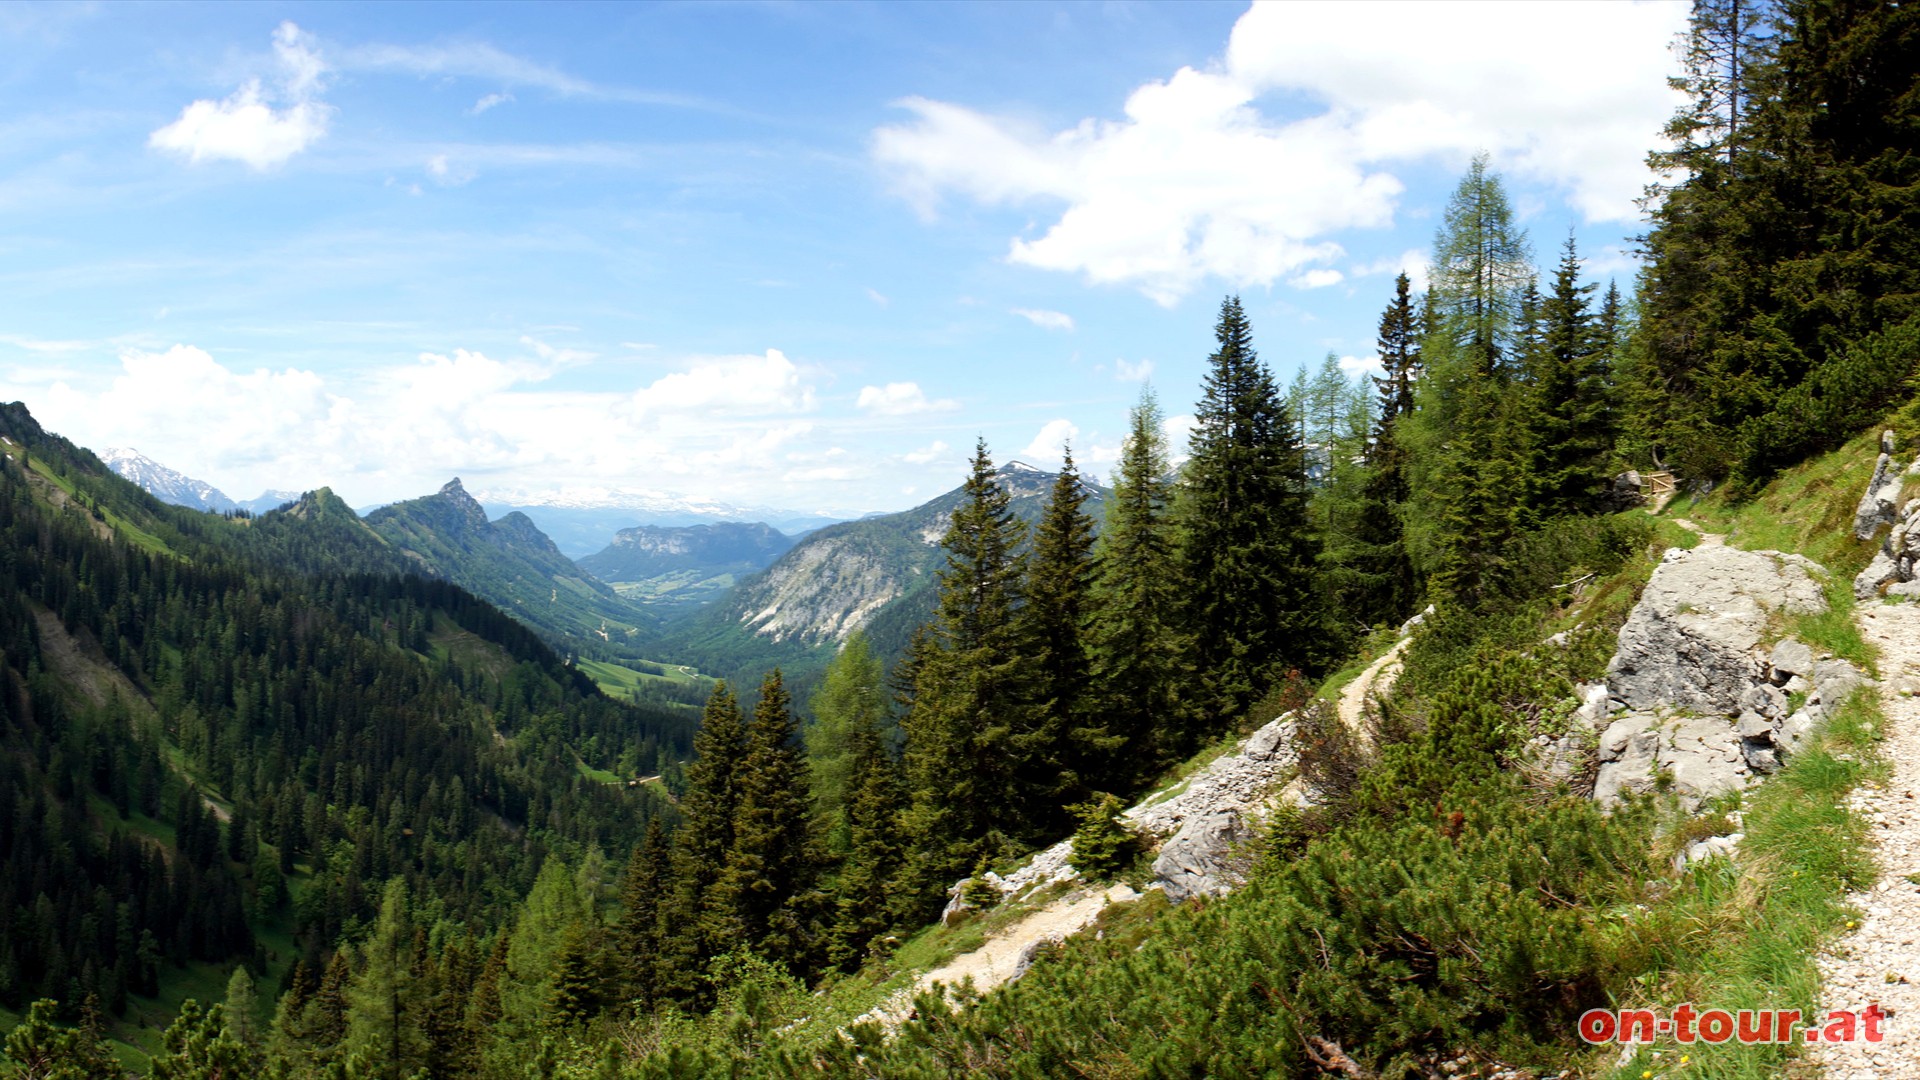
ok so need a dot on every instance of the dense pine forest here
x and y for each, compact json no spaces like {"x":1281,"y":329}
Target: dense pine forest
{"x":375,"y":811}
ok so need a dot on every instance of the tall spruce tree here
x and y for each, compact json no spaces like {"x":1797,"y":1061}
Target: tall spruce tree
{"x":972,"y":690}
{"x":705,"y":835}
{"x":1570,"y":414}
{"x":1062,"y":740}
{"x":1384,"y":585}
{"x":1141,"y":676}
{"x":1248,"y":547}
{"x":762,"y":897}
{"x":640,"y":904}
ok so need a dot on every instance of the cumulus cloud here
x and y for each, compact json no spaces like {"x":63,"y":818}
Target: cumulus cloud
{"x":1317,"y":279}
{"x":735,"y":385}
{"x":1049,"y":446}
{"x":1129,"y":371}
{"x":258,"y":126}
{"x":1046,"y":320}
{"x":1196,"y":180}
{"x":728,"y":428}
{"x":926,"y":454}
{"x":899,"y":399}
{"x":1354,"y":365}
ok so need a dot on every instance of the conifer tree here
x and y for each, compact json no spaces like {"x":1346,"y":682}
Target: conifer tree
{"x":1140,"y":674}
{"x":759,"y":903}
{"x":1466,"y":445}
{"x":640,"y":903}
{"x":972,"y":683}
{"x":848,"y":701}
{"x":1248,"y":547}
{"x":386,"y":1010}
{"x":1062,"y":740}
{"x":1382,"y":570}
{"x":198,"y":1046}
{"x":705,"y":835}
{"x":875,"y":853}
{"x":1569,"y":414}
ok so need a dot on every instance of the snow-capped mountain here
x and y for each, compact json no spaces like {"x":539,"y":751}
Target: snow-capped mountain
{"x":172,"y":486}
{"x":166,"y":484}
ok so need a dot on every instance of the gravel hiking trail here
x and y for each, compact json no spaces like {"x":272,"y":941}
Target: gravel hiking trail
{"x":1878,"y":962}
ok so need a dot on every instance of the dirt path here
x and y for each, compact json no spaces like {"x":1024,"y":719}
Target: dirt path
{"x":998,"y":961}
{"x":1372,"y":682}
{"x":1879,"y":962}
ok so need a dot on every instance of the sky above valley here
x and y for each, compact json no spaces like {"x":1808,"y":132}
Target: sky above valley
{"x":775,"y":255}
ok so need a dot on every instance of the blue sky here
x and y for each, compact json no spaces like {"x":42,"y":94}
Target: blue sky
{"x":788,"y":255}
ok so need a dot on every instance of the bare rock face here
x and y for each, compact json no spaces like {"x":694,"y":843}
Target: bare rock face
{"x":1690,"y":642}
{"x":1704,"y":705}
{"x":1892,"y":568}
{"x":1877,"y":507}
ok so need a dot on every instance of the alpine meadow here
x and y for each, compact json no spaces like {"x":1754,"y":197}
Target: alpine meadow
{"x":1458,"y":615}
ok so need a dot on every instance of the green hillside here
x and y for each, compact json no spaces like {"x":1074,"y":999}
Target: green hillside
{"x":514,"y":565}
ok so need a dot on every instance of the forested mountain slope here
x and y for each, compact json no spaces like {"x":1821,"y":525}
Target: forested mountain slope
{"x":513,"y":564}
{"x":210,"y":757}
{"x":875,"y":574}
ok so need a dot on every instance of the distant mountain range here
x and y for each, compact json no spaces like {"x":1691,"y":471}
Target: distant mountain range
{"x":180,"y":489}
{"x":876,"y":574}
{"x":581,"y":524}
{"x":512,"y":563}
{"x":683,"y":567}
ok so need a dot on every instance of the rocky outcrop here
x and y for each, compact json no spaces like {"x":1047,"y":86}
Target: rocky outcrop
{"x":1691,"y":641}
{"x":1891,"y":572}
{"x":1204,"y":858}
{"x":1882,"y":496}
{"x":1200,"y":823}
{"x":1697,"y":702}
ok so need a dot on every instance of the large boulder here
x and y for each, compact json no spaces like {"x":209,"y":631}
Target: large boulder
{"x":1705,"y":699}
{"x":1691,"y":641}
{"x":1204,"y":858}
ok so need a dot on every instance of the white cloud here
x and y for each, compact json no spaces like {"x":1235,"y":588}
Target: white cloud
{"x":480,"y":60}
{"x":900,"y":399}
{"x":1047,"y":447}
{"x":491,"y":101}
{"x":877,"y":297}
{"x":1046,"y":320}
{"x":729,"y":428}
{"x":246,"y":126}
{"x":926,"y":454}
{"x":1412,"y":262}
{"x":1128,"y":371}
{"x":1317,"y":279}
{"x":1354,"y":365}
{"x":1179,"y":431}
{"x":733,"y":385}
{"x":1196,"y":181}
